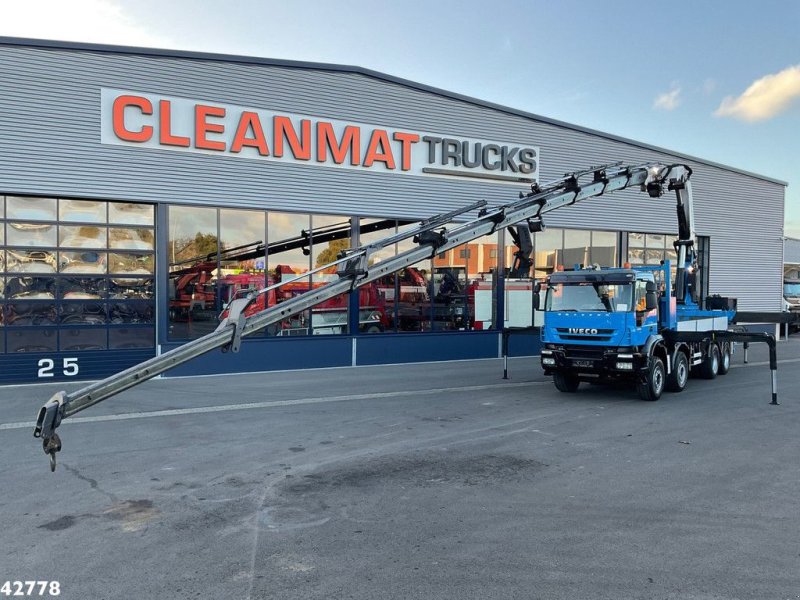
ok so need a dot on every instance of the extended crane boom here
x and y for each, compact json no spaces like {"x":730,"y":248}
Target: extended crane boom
{"x":354,"y":269}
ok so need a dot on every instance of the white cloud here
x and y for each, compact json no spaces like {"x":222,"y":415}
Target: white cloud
{"x":765,"y":98}
{"x":99,"y":21}
{"x":668,"y":100}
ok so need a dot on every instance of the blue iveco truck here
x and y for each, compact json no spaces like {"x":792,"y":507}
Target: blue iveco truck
{"x":605,"y":325}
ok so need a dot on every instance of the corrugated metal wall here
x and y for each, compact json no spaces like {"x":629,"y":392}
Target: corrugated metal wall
{"x":50,"y":128}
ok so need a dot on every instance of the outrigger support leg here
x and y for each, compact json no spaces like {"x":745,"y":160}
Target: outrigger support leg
{"x":736,"y":336}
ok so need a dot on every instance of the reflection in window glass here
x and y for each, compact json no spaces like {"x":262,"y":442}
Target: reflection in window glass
{"x":30,"y":313}
{"x":31,"y":234}
{"x":636,"y":240}
{"x":576,"y":247}
{"x":85,"y":263}
{"x":32,"y":340}
{"x":82,"y":288}
{"x":82,"y":211}
{"x":193,"y":271}
{"x":129,"y":263}
{"x":131,"y":238}
{"x":58,"y":299}
{"x":654,"y":241}
{"x":2,"y":207}
{"x":121,"y":288}
{"x":604,"y":248}
{"x":243,"y":257}
{"x":481,"y":279}
{"x":653,"y":257}
{"x":289,"y":256}
{"x":84,"y":338}
{"x":120,"y":213}
{"x":131,"y":312}
{"x":82,"y":236}
{"x":30,"y":261}
{"x":31,"y":288}
{"x":376,"y":304}
{"x":83,"y":313}
{"x":330,"y":316}
{"x":121,"y":338}
{"x":33,"y":209}
{"x":547,"y":251}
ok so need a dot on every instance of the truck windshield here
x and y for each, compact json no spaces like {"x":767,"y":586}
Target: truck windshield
{"x":791,"y":289}
{"x":596,"y":297}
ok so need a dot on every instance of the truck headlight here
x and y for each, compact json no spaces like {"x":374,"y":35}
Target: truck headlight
{"x":547,"y":360}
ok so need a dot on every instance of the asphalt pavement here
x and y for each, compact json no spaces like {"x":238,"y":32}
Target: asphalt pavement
{"x":430,"y":481}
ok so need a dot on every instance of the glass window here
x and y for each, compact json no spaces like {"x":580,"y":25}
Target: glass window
{"x":289,"y":255}
{"x":193,"y":270}
{"x":82,"y":288}
{"x":31,"y":234}
{"x":478,"y":292}
{"x":654,"y":241}
{"x":243,"y":256}
{"x":30,"y":209}
{"x":83,"y":313}
{"x":604,"y":248}
{"x":378,"y":310}
{"x":30,"y":261}
{"x":547,"y":251}
{"x":330,"y":235}
{"x":87,"y":262}
{"x":56,"y":288}
{"x":120,"y":213}
{"x":30,"y":313}
{"x":123,"y":338}
{"x":122,"y":288}
{"x":129,"y":263}
{"x":131,"y":238}
{"x":636,"y":240}
{"x":82,"y":211}
{"x":31,"y":288}
{"x":32,"y":340}
{"x":84,"y":338}
{"x":576,"y":247}
{"x":82,"y":236}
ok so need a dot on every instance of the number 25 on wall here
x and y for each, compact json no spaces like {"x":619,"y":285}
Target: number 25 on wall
{"x":69,"y":367}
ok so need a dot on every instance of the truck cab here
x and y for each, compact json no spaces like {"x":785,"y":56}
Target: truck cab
{"x":595,"y":321}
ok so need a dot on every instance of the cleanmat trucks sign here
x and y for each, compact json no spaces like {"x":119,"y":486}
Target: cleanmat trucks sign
{"x":147,"y":120}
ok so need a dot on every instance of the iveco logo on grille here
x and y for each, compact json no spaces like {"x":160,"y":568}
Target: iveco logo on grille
{"x":583,"y":330}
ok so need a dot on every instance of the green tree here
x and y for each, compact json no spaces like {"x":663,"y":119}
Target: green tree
{"x":330,"y":254}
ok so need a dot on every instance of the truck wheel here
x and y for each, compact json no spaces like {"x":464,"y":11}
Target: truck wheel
{"x":677,"y":380}
{"x":566,"y":382}
{"x":710,"y":366}
{"x":653,"y":386}
{"x":725,"y":360}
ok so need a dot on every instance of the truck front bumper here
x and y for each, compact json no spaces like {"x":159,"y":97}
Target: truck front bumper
{"x":592,"y":364}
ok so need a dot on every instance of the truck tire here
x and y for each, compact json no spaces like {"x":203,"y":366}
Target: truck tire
{"x":566,"y":382}
{"x":725,"y":360}
{"x":710,"y":365}
{"x":677,"y":380}
{"x":653,"y":385}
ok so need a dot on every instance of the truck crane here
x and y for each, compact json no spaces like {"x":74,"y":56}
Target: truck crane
{"x":355,"y":268}
{"x":602,"y":325}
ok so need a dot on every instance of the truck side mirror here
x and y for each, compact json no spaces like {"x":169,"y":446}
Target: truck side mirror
{"x":650,"y":297}
{"x":537,"y":288}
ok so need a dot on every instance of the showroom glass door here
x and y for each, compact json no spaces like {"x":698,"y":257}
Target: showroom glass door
{"x":77,"y":286}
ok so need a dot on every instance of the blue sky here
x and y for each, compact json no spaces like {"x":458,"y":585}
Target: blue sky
{"x":719,"y":80}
